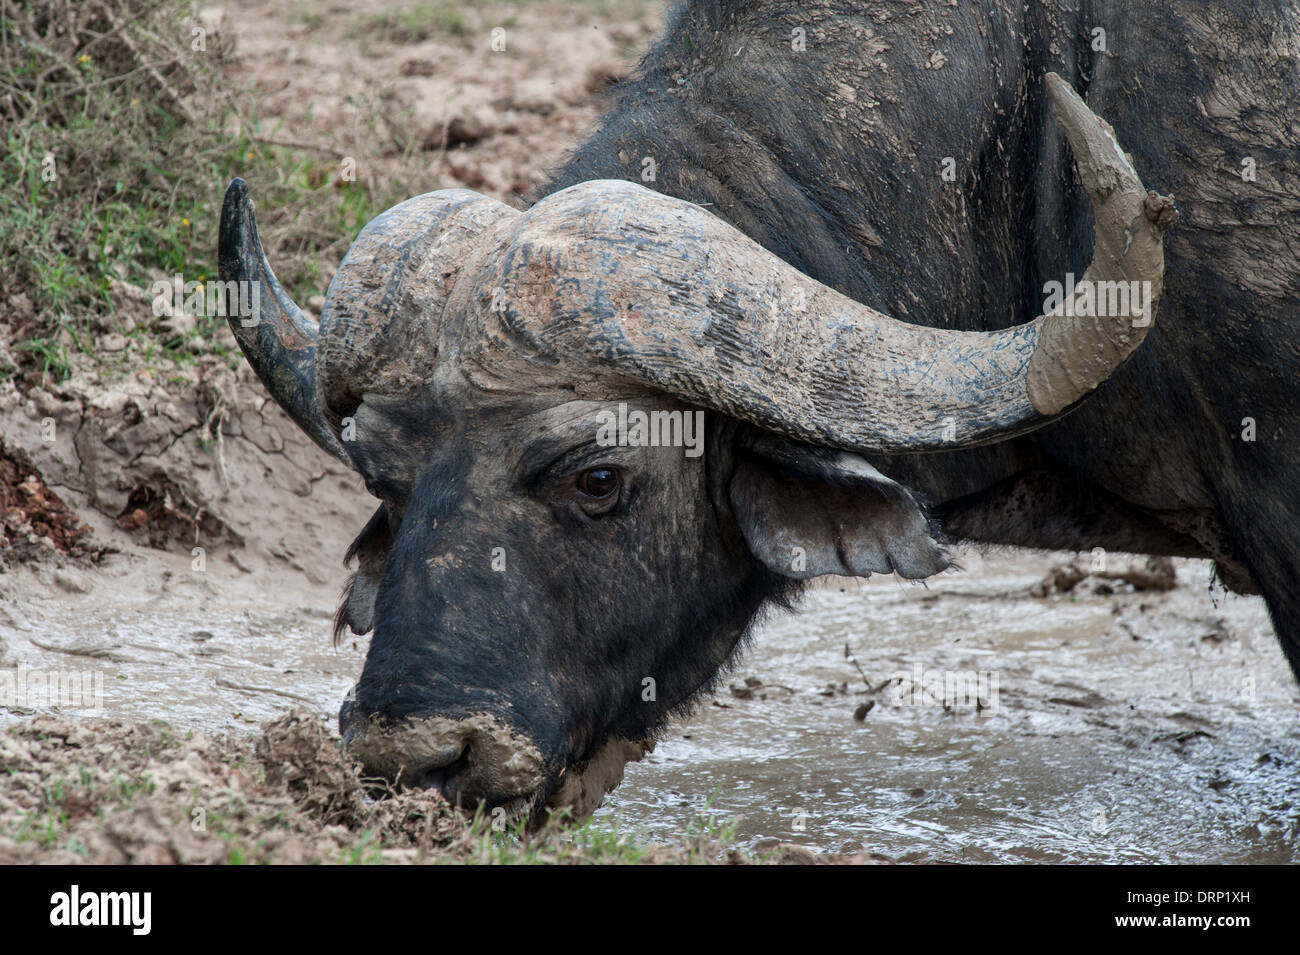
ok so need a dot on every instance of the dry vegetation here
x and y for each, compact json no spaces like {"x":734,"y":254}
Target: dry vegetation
{"x":114,"y":792}
{"x":121,"y":128}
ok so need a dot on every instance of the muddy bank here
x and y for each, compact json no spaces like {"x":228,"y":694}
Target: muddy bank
{"x":111,"y":791}
{"x":105,"y":791}
{"x":206,"y":527}
{"x":488,"y":96}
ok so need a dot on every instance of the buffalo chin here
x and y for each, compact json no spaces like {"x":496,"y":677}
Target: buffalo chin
{"x":584,"y":785}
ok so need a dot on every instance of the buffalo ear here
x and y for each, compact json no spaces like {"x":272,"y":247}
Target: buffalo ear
{"x":807,"y":511}
{"x":357,"y":606}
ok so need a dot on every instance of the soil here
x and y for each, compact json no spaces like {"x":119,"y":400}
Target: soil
{"x":36,"y":517}
{"x":133,"y":792}
{"x":440,"y":109}
{"x":116,"y":792}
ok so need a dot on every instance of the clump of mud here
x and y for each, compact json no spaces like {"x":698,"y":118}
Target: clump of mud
{"x":110,"y":791}
{"x":1148,"y":573}
{"x":586,"y":786}
{"x":33,"y":519}
{"x":299,"y":756}
{"x":161,"y":510}
{"x":105,"y":791}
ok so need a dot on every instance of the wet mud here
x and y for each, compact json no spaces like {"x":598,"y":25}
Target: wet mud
{"x":970,"y":720}
{"x":1123,"y":726}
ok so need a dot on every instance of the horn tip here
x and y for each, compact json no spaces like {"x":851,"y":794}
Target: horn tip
{"x":238,"y":229}
{"x":236,"y":197}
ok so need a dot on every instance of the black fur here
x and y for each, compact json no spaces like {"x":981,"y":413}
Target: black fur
{"x":833,"y":163}
{"x":850,"y":194}
{"x":559,"y":642}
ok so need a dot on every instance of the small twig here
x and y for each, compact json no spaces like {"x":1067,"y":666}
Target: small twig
{"x":119,"y":77}
{"x":249,"y":688}
{"x":296,"y":144}
{"x":287,"y":143}
{"x":218,"y":414}
{"x":848,"y":655}
{"x":157,"y":77}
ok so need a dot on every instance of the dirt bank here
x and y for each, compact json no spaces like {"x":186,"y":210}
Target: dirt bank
{"x":438,"y":95}
{"x":114,"y":792}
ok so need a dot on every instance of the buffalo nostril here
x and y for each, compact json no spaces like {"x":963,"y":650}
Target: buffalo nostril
{"x":446,"y":772}
{"x":469,"y":759}
{"x":444,"y":757}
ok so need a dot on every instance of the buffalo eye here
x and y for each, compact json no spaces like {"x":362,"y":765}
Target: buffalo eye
{"x":600,"y":483}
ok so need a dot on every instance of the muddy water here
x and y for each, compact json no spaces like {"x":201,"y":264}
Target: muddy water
{"x":218,"y":651}
{"x":1123,"y":727}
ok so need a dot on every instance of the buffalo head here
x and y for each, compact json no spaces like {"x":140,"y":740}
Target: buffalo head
{"x":607,"y":431}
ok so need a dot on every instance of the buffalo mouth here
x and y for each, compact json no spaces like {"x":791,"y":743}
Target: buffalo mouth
{"x":479,"y":759}
{"x":584,"y":785}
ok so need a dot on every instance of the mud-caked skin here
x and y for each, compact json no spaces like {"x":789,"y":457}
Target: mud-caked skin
{"x":505,"y":590}
{"x":541,"y":604}
{"x":831,"y":158}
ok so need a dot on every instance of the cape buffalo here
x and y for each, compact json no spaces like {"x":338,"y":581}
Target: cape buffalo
{"x":844,"y":256}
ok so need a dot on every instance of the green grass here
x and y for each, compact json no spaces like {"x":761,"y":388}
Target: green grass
{"x":365,"y":852}
{"x":114,"y":170}
{"x":413,"y":22}
{"x":49,"y":355}
{"x":595,"y":842}
{"x":119,"y":140}
{"x":245,"y":829}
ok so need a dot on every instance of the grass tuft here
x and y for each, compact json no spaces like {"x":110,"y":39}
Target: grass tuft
{"x":121,"y":130}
